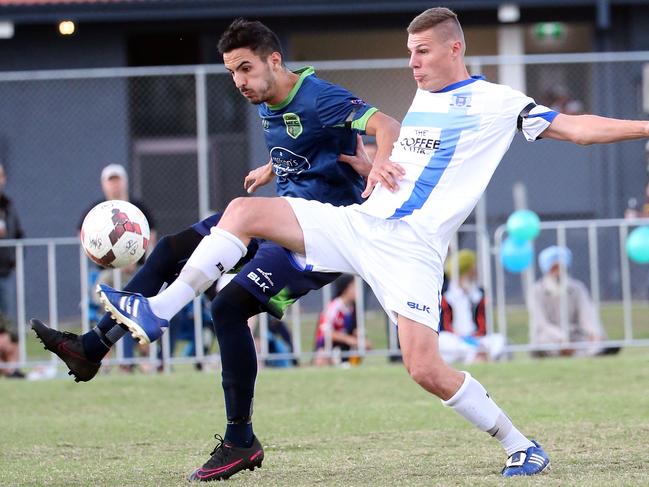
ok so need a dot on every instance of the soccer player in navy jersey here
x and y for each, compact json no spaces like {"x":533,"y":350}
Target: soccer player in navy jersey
{"x":312,"y":128}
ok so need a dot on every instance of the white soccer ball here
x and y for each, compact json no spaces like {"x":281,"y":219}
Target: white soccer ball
{"x":115,"y":234}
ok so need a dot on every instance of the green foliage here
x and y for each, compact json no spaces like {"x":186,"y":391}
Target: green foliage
{"x":368,"y":425}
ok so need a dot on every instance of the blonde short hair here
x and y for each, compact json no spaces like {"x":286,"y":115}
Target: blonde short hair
{"x":443,"y":17}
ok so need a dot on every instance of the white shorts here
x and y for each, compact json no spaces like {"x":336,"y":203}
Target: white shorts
{"x":405,"y":273}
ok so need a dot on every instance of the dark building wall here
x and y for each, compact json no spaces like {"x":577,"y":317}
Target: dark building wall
{"x":41,"y":47}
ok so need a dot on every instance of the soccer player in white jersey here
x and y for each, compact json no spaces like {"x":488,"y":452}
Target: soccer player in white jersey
{"x":453,"y":137}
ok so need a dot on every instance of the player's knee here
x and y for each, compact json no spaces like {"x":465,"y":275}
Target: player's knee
{"x":238,"y":213}
{"x":232,"y":307}
{"x":219,"y":310}
{"x":427,"y":376}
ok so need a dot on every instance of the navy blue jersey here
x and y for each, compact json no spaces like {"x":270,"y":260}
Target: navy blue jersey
{"x":307,"y":132}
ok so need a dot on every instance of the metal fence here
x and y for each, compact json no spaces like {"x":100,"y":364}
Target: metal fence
{"x":625,"y":323}
{"x":187,"y":138}
{"x":585,"y":237}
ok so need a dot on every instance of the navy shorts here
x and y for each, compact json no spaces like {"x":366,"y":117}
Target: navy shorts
{"x":270,"y":273}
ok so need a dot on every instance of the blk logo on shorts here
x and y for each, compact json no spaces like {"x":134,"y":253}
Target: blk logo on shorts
{"x":419,"y":307}
{"x":258,"y":281}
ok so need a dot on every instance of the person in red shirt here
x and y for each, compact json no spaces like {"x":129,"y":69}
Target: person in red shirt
{"x":336,"y":328}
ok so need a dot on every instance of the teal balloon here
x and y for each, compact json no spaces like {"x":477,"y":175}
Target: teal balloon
{"x":523,"y":225}
{"x":637,"y":245}
{"x":516,"y":255}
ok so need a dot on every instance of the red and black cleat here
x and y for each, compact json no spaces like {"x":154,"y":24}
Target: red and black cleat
{"x":227,"y":460}
{"x":69,"y":348}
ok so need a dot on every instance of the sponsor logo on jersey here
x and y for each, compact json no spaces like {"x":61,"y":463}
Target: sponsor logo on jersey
{"x":257,"y":280}
{"x":293,"y":124}
{"x":419,"y":144}
{"x":265,"y":124}
{"x":418,"y":307}
{"x":288,"y":163}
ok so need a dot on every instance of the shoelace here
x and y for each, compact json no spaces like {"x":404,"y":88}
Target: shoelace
{"x":219,"y":446}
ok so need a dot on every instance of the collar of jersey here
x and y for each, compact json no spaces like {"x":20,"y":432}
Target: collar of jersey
{"x":459,"y":84}
{"x":303,"y":72}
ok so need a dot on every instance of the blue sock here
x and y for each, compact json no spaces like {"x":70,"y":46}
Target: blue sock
{"x":230,"y":312}
{"x":160,"y":267}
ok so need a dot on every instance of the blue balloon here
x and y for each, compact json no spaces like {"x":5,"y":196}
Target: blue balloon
{"x":523,"y":225}
{"x":637,"y":245}
{"x":516,"y":255}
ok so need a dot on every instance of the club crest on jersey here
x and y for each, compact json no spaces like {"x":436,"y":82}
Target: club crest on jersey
{"x":293,"y":124}
{"x":461,"y":101}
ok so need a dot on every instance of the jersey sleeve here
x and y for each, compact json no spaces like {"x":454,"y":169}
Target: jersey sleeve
{"x":338,"y":107}
{"x":534,"y":119}
{"x":530,"y":119}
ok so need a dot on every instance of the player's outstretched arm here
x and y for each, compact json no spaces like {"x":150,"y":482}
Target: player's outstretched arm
{"x":258,"y":177}
{"x":593,"y":129}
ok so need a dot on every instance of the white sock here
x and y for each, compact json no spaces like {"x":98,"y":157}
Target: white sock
{"x":216,"y":254}
{"x":166,"y":304}
{"x":473,"y":403}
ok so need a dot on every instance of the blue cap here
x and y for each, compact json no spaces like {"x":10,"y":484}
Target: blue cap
{"x":554,"y":255}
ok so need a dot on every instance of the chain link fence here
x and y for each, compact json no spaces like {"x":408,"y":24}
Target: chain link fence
{"x":187,"y":139}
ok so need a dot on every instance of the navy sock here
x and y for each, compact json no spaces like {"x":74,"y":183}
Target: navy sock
{"x":161,"y":266}
{"x":230,"y":312}
{"x":239,"y":434}
{"x":95,"y":347}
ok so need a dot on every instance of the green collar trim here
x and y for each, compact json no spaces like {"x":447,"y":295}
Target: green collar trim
{"x":303,"y":72}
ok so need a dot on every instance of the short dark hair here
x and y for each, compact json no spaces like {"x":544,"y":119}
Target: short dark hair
{"x":341,"y":284}
{"x":250,"y":34}
{"x":13,"y":336}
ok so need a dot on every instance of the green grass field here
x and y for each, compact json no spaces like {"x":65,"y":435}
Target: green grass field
{"x":368,"y":425}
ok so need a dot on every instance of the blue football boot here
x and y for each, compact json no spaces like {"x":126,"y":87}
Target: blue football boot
{"x":529,"y":462}
{"x":133,"y":311}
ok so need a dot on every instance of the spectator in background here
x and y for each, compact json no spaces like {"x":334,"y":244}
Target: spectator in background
{"x":114,"y":185}
{"x":634,"y":210}
{"x":9,"y":353}
{"x":561,"y":101}
{"x":10,"y":228}
{"x":463,"y":323}
{"x":278,"y":339}
{"x":545,"y":308}
{"x":336,"y":328}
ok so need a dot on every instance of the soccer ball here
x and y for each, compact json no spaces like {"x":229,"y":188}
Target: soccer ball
{"x":115,"y":234}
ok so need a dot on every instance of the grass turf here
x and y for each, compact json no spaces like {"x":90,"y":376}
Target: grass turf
{"x":368,"y":425}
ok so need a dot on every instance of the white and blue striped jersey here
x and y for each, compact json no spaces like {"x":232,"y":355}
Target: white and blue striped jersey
{"x":450,"y":143}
